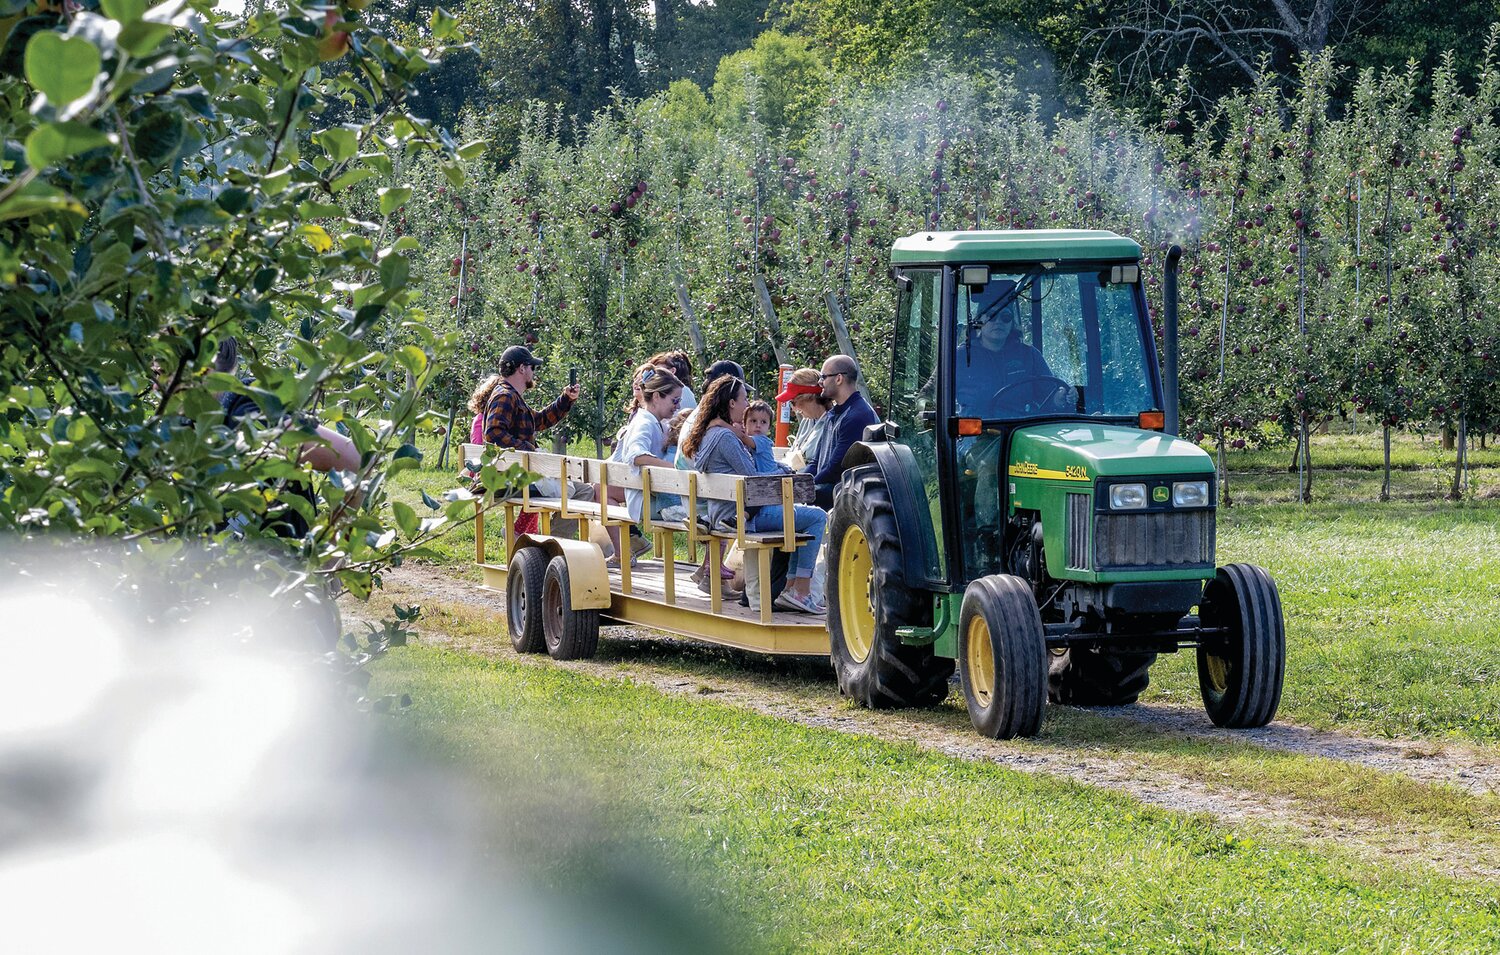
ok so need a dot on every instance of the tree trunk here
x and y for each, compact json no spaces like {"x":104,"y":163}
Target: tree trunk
{"x":1224,"y":494}
{"x":1461,"y":461}
{"x":1385,"y":484}
{"x":447,"y":438}
{"x":1304,"y":478}
{"x":695,"y":330}
{"x":1447,"y":436}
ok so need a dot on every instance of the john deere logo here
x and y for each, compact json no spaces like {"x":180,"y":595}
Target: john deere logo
{"x":1159,"y":495}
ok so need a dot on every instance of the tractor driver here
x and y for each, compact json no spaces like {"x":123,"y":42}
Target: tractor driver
{"x":999,"y":374}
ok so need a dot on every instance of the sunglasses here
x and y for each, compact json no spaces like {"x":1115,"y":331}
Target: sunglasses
{"x":831,"y":374}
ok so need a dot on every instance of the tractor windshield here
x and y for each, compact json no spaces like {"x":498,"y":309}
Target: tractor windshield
{"x":1062,"y":342}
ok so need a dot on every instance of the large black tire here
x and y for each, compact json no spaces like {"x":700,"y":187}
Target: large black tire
{"x":1086,"y":676}
{"x":868,"y":600}
{"x":1002,"y":657}
{"x":569,"y":634}
{"x":1241,"y":676}
{"x":523,"y":599}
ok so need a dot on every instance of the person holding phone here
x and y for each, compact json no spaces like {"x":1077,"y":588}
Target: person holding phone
{"x":510,"y":423}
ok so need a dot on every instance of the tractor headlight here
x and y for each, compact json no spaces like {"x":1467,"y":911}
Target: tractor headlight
{"x":1190,"y":494}
{"x":1127,"y":497}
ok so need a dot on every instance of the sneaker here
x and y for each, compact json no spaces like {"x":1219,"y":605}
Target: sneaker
{"x":787,"y":600}
{"x":613,"y":561}
{"x":728,"y":525}
{"x":676,"y":514}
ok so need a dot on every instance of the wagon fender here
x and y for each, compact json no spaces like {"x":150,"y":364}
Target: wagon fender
{"x":587,"y":575}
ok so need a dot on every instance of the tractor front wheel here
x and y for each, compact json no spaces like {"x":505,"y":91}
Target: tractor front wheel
{"x":1002,"y":657}
{"x":868,"y":600}
{"x":1241,"y":674}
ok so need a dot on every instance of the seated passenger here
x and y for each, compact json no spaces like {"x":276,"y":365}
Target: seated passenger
{"x":758,"y":426}
{"x":656,"y":395}
{"x":717,"y":442}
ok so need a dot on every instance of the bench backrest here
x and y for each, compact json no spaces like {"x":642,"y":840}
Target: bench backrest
{"x":758,"y":488}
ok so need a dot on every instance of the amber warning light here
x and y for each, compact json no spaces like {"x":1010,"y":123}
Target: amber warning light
{"x":1153,"y":420}
{"x":970,"y":426}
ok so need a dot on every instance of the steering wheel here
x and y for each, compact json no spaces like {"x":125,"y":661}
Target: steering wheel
{"x":1036,"y":384}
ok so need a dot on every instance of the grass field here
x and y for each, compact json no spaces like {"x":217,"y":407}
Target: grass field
{"x":797,"y":838}
{"x":1390,"y":606}
{"x":785,"y":836}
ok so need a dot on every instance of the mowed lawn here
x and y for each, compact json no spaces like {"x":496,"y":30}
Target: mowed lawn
{"x":1393,"y":609}
{"x":789,"y":838}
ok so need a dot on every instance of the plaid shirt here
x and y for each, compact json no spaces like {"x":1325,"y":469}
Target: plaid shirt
{"x":510,"y":423}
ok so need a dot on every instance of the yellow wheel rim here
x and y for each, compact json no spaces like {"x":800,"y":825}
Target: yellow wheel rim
{"x":979,"y":661}
{"x":1218,"y":672}
{"x":856,"y":580}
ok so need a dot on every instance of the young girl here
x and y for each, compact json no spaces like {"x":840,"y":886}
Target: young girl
{"x":717,"y":443}
{"x":656,"y":393}
{"x":479,"y":401}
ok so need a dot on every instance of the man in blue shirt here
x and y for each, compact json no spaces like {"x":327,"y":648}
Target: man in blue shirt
{"x":848,"y":418}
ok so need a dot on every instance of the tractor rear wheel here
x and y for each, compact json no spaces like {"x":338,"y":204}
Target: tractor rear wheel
{"x":868,"y":600}
{"x":1087,"y":676}
{"x":1240,"y":676}
{"x":570,"y":634}
{"x":1002,"y":657}
{"x":523,"y":599}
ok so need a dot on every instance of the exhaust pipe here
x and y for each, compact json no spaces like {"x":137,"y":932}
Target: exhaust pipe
{"x":1169,"y":385}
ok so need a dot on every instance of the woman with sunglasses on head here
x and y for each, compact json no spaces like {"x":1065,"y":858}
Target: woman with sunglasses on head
{"x":715,"y":441}
{"x":655,"y":394}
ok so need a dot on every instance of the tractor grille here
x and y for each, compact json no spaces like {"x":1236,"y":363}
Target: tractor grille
{"x":1080,"y":509}
{"x":1152,"y":540}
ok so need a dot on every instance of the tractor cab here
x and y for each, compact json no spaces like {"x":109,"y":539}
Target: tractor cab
{"x":1025,"y":510}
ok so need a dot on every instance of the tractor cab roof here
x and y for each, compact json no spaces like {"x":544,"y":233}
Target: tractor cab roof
{"x":1013,"y":245}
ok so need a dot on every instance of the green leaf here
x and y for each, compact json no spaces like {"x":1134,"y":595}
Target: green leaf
{"x":442,"y":24}
{"x":157,"y":138}
{"x":142,"y":37}
{"x":125,"y":11}
{"x":339,"y":143}
{"x":412,"y":358}
{"x":37,"y":198}
{"x":473,"y":150}
{"x":316,"y":236}
{"x":431,"y":502}
{"x":51,"y":143}
{"x":406,"y":518}
{"x":394,"y":271}
{"x":455,"y":174}
{"x":350,"y":178}
{"x":63,"y":68}
{"x":406,"y":243}
{"x":393,"y":198}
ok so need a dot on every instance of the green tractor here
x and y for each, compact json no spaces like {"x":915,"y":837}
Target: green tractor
{"x":1025,"y":512}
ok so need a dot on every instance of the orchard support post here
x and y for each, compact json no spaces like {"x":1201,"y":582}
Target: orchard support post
{"x":773,"y":324}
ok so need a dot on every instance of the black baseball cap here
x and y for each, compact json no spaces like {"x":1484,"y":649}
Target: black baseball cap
{"x":519,"y":355}
{"x":721,"y":368}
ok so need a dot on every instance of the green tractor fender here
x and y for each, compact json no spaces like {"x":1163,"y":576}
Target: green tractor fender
{"x":909,"y":497}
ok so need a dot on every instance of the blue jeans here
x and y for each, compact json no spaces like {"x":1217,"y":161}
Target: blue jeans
{"x":807,"y":520}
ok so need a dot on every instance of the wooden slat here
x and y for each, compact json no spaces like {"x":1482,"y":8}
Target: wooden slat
{"x":669,"y":480}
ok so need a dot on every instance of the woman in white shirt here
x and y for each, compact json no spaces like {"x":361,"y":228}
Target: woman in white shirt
{"x":656,"y":393}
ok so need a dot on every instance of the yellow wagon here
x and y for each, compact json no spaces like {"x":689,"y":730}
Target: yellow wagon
{"x":559,"y":588}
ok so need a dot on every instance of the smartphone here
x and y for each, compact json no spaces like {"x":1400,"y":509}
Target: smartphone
{"x":572,"y":376}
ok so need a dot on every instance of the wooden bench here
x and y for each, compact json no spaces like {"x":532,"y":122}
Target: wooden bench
{"x":768,"y":490}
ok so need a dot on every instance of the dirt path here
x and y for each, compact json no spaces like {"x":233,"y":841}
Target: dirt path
{"x":803,"y":692}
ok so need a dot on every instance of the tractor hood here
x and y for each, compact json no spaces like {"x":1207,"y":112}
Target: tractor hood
{"x":1081,"y":451}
